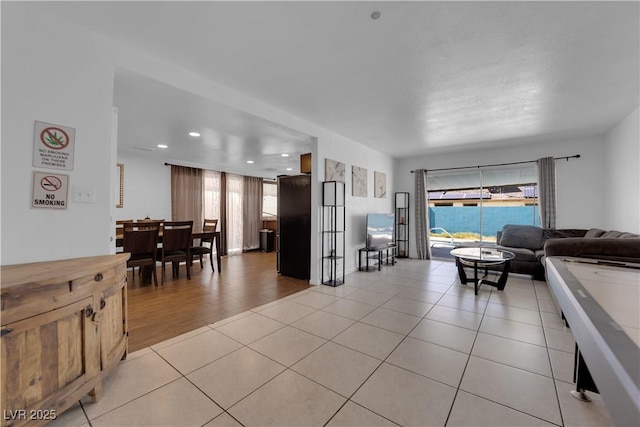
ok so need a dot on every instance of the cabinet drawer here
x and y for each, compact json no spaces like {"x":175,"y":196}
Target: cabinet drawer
{"x":27,"y":301}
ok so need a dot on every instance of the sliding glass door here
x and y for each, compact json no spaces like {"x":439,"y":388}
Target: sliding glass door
{"x":472,"y":206}
{"x":513,"y":199}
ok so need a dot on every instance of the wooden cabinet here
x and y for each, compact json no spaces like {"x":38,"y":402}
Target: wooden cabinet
{"x":64,"y":327}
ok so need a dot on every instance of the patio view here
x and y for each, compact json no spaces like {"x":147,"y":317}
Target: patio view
{"x":477,"y":215}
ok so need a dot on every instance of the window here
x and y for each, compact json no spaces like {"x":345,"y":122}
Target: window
{"x":480,"y":203}
{"x":269,"y":201}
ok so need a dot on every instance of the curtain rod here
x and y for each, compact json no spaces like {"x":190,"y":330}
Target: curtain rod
{"x":203,"y":168}
{"x":577,"y":156}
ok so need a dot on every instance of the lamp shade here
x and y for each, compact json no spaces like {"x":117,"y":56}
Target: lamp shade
{"x":333,"y":193}
{"x":402,"y":200}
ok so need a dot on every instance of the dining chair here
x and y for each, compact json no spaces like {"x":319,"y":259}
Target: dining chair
{"x":141,"y":241}
{"x":145,"y":220}
{"x":206,"y":243}
{"x":176,"y":246}
{"x":120,"y":229}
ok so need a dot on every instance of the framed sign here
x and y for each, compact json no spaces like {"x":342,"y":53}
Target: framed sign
{"x":53,"y":146}
{"x":50,"y":190}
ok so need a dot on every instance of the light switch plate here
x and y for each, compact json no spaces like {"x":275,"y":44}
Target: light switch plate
{"x":83,"y":194}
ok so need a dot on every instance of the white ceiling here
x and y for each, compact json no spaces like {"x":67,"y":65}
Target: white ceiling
{"x":426,"y":77}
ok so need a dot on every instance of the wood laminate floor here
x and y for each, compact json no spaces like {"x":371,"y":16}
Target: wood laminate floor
{"x":247,"y":281}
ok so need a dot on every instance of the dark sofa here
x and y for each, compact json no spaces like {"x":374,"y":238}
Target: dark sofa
{"x":531,"y":244}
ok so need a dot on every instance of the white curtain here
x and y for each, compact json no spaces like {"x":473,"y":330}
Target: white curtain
{"x":212,"y":195}
{"x":547,"y":192}
{"x":235,"y":189}
{"x":211,"y":205}
{"x":423,"y":245}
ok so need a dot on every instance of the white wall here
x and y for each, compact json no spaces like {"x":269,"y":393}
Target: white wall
{"x":147,"y":188}
{"x":79,"y":93}
{"x":356,"y":209}
{"x":622,"y":165}
{"x":580,"y":182}
{"x":55,"y":74}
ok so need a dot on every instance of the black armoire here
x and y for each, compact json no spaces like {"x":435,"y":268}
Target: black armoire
{"x":294,"y":226}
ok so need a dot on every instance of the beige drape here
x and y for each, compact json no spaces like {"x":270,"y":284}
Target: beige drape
{"x":547,"y":191}
{"x":423,"y":229}
{"x":252,"y":212}
{"x":186,"y":194}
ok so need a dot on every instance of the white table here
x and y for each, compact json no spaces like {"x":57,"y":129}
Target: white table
{"x":601,"y":304}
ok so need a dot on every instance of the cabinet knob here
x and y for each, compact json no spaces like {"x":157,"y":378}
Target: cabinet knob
{"x":103,"y":303}
{"x":89,"y":310}
{"x":98,"y":277}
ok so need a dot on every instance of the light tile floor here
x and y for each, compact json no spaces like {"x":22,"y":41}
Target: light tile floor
{"x":405,"y":346}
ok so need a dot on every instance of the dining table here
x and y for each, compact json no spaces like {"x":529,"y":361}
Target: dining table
{"x":195,"y":234}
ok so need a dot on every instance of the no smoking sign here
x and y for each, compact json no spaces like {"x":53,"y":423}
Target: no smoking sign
{"x":53,"y":146}
{"x":50,"y":190}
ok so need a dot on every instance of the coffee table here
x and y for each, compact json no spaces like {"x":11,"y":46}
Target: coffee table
{"x":482,"y":257}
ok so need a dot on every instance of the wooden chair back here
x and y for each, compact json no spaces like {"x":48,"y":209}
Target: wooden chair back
{"x":146,"y":221}
{"x":120,"y":225}
{"x":176,"y":235}
{"x":209,"y":225}
{"x":141,"y":239}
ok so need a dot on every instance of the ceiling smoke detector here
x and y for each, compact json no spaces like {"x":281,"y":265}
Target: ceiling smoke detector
{"x":375,"y":15}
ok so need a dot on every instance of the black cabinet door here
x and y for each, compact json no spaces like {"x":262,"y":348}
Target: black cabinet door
{"x":294,"y":226}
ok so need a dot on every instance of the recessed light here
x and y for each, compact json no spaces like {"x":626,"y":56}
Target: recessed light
{"x":250,"y":162}
{"x":194,"y":134}
{"x":289,"y":169}
{"x":162,"y":146}
{"x":284,"y":155}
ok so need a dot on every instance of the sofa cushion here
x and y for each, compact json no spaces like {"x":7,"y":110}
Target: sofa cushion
{"x":625,"y":250}
{"x":552,"y":233}
{"x":594,"y":232}
{"x":522,"y":236}
{"x":629,"y":236}
{"x":611,"y":234}
{"x":523,"y":254}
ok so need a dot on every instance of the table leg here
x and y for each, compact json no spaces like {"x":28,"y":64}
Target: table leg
{"x":582,"y":378}
{"x":476,"y":282}
{"x":218,"y":254}
{"x":147,"y":273}
{"x":502,"y":281}
{"x":461,"y":273}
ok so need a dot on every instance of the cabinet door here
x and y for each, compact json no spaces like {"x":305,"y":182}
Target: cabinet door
{"x":113,"y":325}
{"x":45,"y":354}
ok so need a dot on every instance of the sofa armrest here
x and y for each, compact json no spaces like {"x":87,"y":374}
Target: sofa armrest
{"x":625,"y":250}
